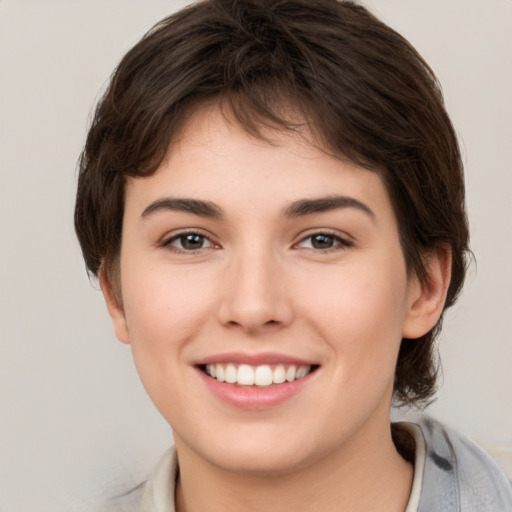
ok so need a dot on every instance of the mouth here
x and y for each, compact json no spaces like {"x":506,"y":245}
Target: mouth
{"x":257,"y":376}
{"x":256,"y":382}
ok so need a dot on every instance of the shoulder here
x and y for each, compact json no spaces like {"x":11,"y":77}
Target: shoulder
{"x":458,"y":475}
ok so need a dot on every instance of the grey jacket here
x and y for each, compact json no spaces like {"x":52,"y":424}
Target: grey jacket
{"x":459,"y":476}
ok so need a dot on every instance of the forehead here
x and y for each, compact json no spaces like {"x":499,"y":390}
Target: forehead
{"x":215,"y":159}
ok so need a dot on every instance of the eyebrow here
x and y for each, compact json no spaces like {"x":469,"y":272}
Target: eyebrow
{"x":194,"y":206}
{"x":305,"y":207}
{"x":299,"y":208}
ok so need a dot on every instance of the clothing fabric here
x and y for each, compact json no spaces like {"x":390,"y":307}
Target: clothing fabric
{"x":420,"y":452}
{"x":451,"y":474}
{"x":458,"y":476}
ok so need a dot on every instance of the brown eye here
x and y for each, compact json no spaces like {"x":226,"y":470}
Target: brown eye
{"x":324,"y":241}
{"x":189,"y":242}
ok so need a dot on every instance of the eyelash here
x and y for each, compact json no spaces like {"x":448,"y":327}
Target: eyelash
{"x":182,"y":236}
{"x":338,"y":243}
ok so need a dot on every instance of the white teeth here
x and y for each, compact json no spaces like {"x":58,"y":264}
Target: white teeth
{"x":230,"y":375}
{"x":291,"y":373}
{"x":262,"y":375}
{"x":279,"y":374}
{"x":303,"y":371}
{"x":245,"y":376}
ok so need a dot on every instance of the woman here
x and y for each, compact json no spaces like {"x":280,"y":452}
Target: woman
{"x":272,"y":197}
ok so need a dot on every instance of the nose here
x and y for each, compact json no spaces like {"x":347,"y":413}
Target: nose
{"x":254,"y":295}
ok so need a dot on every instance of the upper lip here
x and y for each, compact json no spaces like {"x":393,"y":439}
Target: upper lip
{"x":254,"y":359}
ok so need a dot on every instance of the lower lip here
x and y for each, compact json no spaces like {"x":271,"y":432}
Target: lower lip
{"x":253,"y":397}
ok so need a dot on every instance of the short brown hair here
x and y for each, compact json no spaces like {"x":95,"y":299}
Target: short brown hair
{"x":361,"y":86}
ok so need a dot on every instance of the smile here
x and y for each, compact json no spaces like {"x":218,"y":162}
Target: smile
{"x":256,"y":382}
{"x":260,"y":376}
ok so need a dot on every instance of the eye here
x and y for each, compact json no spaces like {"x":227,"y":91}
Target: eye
{"x":324,"y":241}
{"x":186,"y":242}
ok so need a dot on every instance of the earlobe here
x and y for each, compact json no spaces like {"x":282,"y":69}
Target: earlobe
{"x":115,"y":308}
{"x":426,"y":299}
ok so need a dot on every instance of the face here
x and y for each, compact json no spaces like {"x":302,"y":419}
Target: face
{"x":265,"y":296}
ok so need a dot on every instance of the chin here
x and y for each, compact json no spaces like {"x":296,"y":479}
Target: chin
{"x":260,"y":453}
{"x":262,"y":463}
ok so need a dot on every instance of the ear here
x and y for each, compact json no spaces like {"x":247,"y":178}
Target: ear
{"x":426,"y":300}
{"x":115,"y":308}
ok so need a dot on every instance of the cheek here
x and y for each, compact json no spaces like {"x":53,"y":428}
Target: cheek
{"x":164,"y":308}
{"x":357,"y":299}
{"x":163,"y":314}
{"x":360,"y":313}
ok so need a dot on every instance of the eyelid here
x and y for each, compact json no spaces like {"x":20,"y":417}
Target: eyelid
{"x":343,"y":240}
{"x":167,"y":240}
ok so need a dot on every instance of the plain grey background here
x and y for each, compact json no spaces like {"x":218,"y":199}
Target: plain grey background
{"x":75,"y":424}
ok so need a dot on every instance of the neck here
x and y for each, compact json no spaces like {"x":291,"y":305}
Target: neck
{"x":361,"y":477}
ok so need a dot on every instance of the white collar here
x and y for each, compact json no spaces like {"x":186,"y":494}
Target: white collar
{"x":419,"y":465}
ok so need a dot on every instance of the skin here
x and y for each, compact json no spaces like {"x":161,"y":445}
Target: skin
{"x":258,"y":284}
